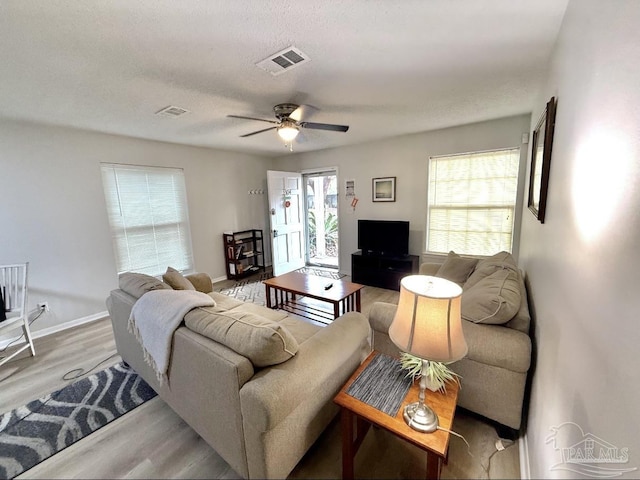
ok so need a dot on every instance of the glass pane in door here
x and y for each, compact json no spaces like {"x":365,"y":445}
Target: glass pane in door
{"x":322,"y":219}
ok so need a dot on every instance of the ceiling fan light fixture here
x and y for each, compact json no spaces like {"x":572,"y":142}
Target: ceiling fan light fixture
{"x":288,"y":132}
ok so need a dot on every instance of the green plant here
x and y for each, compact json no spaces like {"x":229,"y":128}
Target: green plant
{"x":330,"y":233}
{"x":437,"y":372}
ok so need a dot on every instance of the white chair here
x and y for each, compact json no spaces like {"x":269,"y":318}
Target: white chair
{"x":13,"y":282}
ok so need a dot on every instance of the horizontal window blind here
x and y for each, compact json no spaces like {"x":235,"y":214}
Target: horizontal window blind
{"x":471,"y":202}
{"x":148,"y":215}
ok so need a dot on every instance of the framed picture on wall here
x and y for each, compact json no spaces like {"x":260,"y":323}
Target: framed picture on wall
{"x":384,"y":189}
{"x":541,"y":146}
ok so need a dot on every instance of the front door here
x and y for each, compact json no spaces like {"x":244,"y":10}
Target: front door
{"x":286,"y":215}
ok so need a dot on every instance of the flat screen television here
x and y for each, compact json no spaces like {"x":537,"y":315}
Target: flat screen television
{"x":383,"y":237}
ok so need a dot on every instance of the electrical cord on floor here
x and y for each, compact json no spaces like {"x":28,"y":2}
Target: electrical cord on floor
{"x":42,"y":310}
{"x":78,"y":372}
{"x":81,"y":371}
{"x":457,"y":435}
{"x":64,"y":377}
{"x":499,"y":444}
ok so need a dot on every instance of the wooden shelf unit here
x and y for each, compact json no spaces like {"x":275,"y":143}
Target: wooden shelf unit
{"x":243,"y":253}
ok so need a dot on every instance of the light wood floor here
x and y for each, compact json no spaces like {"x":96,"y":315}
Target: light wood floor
{"x":153,"y":442}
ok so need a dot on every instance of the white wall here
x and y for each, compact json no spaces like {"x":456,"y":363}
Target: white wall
{"x":53,"y":213}
{"x":582,"y":263}
{"x":405,"y":157}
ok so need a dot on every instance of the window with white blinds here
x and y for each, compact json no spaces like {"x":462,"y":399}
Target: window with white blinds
{"x":471,"y":202}
{"x":147,"y":208}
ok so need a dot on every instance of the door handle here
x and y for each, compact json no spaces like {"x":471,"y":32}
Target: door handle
{"x":275,"y":233}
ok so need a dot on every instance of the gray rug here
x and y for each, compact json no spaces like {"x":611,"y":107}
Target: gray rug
{"x":43,"y":427}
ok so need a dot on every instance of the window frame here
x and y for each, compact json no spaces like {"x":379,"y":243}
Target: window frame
{"x":515,"y":206}
{"x":148,"y":233}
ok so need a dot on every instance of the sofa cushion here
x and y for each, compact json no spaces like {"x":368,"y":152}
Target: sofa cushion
{"x":201,"y":282}
{"x":262,"y":311}
{"x":262,"y":341}
{"x":300,"y":329}
{"x":225,"y":302}
{"x":495,"y":299}
{"x":456,"y":268}
{"x":497,"y":346}
{"x":489,"y":265}
{"x":137,"y":284}
{"x":176,"y":280}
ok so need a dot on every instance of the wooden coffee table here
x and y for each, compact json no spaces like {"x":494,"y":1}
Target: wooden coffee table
{"x":344,"y":296}
{"x":436,"y":444}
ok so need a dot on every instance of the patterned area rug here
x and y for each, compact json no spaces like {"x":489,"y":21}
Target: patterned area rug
{"x":322,"y":273}
{"x":252,"y":290}
{"x":43,"y":427}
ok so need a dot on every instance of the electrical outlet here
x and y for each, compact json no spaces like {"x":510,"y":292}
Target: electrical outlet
{"x":44,"y":306}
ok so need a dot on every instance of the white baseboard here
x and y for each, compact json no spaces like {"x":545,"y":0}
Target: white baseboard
{"x":58,"y":328}
{"x":218,"y":279}
{"x":523,"y":448}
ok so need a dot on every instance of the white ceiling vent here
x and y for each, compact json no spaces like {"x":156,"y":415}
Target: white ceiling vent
{"x":172,"y":111}
{"x":284,"y":60}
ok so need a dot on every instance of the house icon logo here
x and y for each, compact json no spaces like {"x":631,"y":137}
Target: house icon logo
{"x":587,"y":454}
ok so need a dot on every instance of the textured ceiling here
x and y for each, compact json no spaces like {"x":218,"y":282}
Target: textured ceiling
{"x":385,"y":68}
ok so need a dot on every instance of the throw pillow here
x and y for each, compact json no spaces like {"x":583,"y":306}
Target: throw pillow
{"x":137,"y":284}
{"x":456,"y":268}
{"x":201,"y":282}
{"x":495,"y":299}
{"x":489,"y":265}
{"x":262,"y":341}
{"x":176,"y":280}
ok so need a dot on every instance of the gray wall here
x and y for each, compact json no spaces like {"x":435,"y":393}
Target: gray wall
{"x":407,"y":158}
{"x":582,"y":263}
{"x":53,"y":213}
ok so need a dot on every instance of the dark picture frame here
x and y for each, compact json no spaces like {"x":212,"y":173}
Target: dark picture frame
{"x":383,"y":189}
{"x":541,"y":146}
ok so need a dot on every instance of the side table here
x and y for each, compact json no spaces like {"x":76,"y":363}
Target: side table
{"x":435,"y":444}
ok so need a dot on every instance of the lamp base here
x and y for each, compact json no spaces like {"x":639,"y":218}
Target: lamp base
{"x":420,"y":417}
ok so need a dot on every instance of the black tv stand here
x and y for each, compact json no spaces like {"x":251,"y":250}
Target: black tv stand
{"x":384,"y":271}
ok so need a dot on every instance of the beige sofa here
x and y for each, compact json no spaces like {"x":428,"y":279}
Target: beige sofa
{"x":494,"y":299}
{"x":261,"y":420}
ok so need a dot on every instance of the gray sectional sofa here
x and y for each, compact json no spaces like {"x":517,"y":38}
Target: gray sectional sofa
{"x":496,"y":327}
{"x":260,"y":419}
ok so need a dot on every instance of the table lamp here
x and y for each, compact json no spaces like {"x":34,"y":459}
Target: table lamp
{"x":427,"y":324}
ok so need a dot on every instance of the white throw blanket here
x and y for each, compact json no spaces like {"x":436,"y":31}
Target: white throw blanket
{"x":155,"y":317}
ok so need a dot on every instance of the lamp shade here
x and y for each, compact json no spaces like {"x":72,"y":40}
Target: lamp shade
{"x":288,"y":131}
{"x":427,"y":323}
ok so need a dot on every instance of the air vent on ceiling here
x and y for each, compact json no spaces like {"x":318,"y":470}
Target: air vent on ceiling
{"x":172,"y":111}
{"x":283,"y":61}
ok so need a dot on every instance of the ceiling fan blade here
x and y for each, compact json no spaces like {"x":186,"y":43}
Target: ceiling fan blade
{"x":325,"y":126}
{"x":259,"y":131}
{"x":252,"y":118}
{"x":302,"y":112}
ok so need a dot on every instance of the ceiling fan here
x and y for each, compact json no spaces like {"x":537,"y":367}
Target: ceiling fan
{"x":290,"y":122}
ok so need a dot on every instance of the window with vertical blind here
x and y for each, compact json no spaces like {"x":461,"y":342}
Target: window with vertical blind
{"x":147,"y":209}
{"x":471,"y":202}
